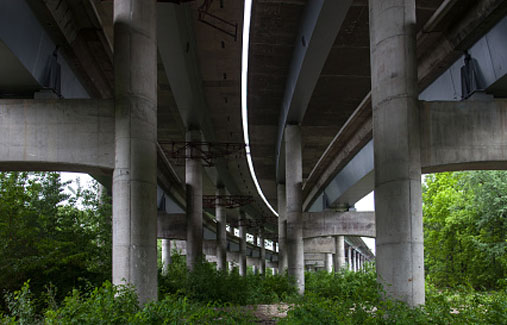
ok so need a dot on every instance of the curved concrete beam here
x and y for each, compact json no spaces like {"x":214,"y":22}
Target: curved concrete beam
{"x":57,"y":135}
{"x":320,"y":26}
{"x":330,"y":223}
{"x":463,"y":135}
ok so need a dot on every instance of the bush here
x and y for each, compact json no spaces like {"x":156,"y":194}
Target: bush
{"x":118,"y":305}
{"x":206,"y":284}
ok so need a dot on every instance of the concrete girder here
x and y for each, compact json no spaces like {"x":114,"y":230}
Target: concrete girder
{"x":330,"y":223}
{"x":57,"y":135}
{"x":454,"y":136}
{"x":439,"y":44}
{"x":321,"y":23}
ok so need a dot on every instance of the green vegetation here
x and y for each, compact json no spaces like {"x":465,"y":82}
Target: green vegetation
{"x":56,"y":266}
{"x":47,"y":239}
{"x":465,"y":229}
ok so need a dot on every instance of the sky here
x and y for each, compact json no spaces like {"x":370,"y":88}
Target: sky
{"x":367,"y":203}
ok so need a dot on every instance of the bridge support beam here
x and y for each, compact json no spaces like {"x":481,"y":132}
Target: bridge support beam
{"x":398,"y":207}
{"x":328,"y":262}
{"x":221,"y":233}
{"x":242,"y":245}
{"x":282,"y":228}
{"x":294,"y":192}
{"x":135,"y":169}
{"x":262,"y":266}
{"x":339,"y":256}
{"x":193,"y":180}
{"x":166,"y":255}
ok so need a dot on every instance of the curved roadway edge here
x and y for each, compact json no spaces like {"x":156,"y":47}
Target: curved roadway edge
{"x":184,"y":78}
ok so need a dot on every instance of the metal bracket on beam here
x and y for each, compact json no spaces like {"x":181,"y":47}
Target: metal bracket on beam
{"x":207,"y":151}
{"x":228,"y":201}
{"x":216,"y":22}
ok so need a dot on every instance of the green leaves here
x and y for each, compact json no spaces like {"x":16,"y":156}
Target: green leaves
{"x":465,"y":227}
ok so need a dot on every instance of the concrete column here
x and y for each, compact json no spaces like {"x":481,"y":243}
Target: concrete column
{"x":339,"y":256}
{"x":282,"y":228}
{"x":242,"y":245}
{"x":262,"y":268}
{"x":135,"y":169}
{"x":293,"y":186}
{"x":166,"y":255}
{"x":354,"y":263}
{"x":358,"y":265}
{"x":328,"y":262}
{"x":398,"y":202}
{"x":193,"y":180}
{"x":221,"y":233}
{"x":349,"y":258}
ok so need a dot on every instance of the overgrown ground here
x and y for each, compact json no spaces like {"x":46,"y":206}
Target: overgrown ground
{"x":207,"y":296}
{"x":57,"y":255}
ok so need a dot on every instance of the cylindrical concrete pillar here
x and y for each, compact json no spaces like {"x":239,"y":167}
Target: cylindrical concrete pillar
{"x":282,"y":228}
{"x":242,"y":244}
{"x":193,"y":180}
{"x":339,"y":256}
{"x":294,"y":194}
{"x":353,"y":259}
{"x":135,"y":168}
{"x":349,"y":258}
{"x":398,"y":202}
{"x":221,"y":232}
{"x":262,"y":266}
{"x":358,"y":264}
{"x":166,"y":255}
{"x":328,"y":262}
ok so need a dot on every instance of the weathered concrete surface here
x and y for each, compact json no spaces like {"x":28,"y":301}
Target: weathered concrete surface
{"x":319,"y":245}
{"x":57,"y":134}
{"x":339,"y":256}
{"x":193,"y":181}
{"x":294,"y":192}
{"x":221,"y":216}
{"x":331,"y":223}
{"x":166,"y":255}
{"x":172,"y":226}
{"x":135,"y":169}
{"x":463,"y":135}
{"x":328,"y":262}
{"x":282,"y":227}
{"x":398,"y":202}
{"x":242,"y":246}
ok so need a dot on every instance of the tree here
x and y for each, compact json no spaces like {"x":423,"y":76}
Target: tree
{"x":47,"y":239}
{"x":465,"y":228}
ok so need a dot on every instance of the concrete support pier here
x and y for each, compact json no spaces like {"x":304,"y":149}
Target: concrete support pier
{"x":262,"y":266}
{"x":328,"y":262}
{"x":398,"y":207}
{"x":339,"y":256}
{"x":282,"y":228}
{"x":135,"y":168}
{"x":349,"y":258}
{"x":294,"y":192}
{"x":193,"y":180}
{"x":166,"y":255}
{"x":242,"y":245}
{"x":221,"y":233}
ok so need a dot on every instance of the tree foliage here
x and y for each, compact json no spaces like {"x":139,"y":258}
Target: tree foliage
{"x":46,"y":238}
{"x":465,"y":228}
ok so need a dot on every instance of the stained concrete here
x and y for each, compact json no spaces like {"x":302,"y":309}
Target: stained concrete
{"x":54,"y":134}
{"x":294,"y":191}
{"x":398,"y":203}
{"x":135,"y":169}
